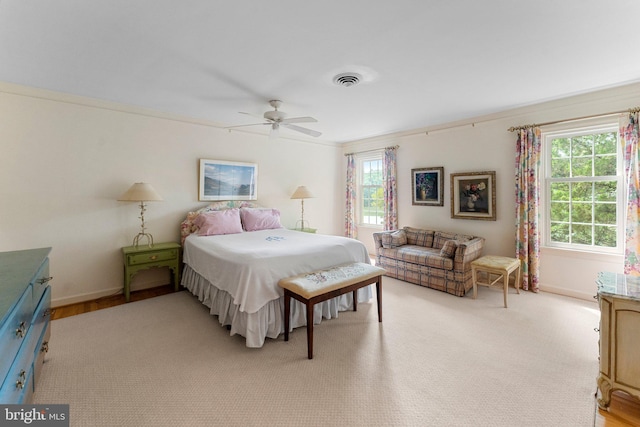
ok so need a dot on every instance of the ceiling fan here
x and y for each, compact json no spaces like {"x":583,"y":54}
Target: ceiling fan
{"x":277,"y":118}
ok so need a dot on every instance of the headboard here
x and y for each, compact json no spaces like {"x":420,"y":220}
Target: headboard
{"x":187,"y":226}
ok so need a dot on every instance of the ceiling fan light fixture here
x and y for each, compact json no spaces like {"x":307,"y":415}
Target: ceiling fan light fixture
{"x":347,"y":79}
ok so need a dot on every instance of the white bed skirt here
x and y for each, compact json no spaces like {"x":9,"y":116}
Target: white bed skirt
{"x":269,"y":320}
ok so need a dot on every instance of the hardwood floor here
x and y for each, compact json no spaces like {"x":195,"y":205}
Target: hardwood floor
{"x":624,"y":410}
{"x":108,"y":301}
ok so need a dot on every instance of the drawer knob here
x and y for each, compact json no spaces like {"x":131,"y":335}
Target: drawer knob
{"x":21,"y":379}
{"x":21,"y":331}
{"x":45,"y":280}
{"x":153,"y":257}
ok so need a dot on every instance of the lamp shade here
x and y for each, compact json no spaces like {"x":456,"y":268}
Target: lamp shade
{"x":302,"y":192}
{"x":140,"y":192}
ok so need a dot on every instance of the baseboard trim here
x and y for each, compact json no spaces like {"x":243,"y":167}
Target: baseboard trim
{"x":89,"y":296}
{"x":569,"y":293}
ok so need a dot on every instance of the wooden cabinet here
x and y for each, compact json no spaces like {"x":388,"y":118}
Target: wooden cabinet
{"x":137,"y":258}
{"x":25,"y":311}
{"x":619,"y":298}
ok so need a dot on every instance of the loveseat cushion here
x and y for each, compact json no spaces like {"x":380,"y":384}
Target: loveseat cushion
{"x":420,"y":255}
{"x":419,"y":236}
{"x":395,"y":239}
{"x":440,"y":237}
{"x":449,"y":249}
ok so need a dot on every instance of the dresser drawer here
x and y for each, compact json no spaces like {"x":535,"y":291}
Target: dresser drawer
{"x":41,"y":351}
{"x":40,"y":282}
{"x":42,"y":314}
{"x":18,"y":385}
{"x":143,"y":258}
{"x":14,"y":331}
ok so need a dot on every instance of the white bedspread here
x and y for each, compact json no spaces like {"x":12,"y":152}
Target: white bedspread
{"x":248,"y":265}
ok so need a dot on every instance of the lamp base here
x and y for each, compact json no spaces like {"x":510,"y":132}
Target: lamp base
{"x":149,"y":237}
{"x":302,"y":224}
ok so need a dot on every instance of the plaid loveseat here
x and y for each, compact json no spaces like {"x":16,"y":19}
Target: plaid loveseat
{"x":435,"y":259}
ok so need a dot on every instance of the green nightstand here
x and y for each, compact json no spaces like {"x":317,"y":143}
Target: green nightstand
{"x":144,"y":257}
{"x":306,"y":230}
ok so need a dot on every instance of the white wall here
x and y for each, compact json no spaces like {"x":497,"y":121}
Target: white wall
{"x":484,"y":144}
{"x":65,"y":161}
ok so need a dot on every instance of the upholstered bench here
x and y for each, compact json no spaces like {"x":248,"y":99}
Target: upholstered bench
{"x":318,"y":286}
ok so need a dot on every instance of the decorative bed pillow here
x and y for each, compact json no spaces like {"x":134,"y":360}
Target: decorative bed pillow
{"x":260,"y":219}
{"x":219,"y":222}
{"x":448,"y":249}
{"x":188,"y":227}
{"x":395,"y":239}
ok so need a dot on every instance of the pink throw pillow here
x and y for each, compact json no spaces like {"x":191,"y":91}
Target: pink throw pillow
{"x":226,"y":221}
{"x":260,"y":219}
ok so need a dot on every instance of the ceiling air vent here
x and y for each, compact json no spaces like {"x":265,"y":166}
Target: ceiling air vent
{"x":347,"y":79}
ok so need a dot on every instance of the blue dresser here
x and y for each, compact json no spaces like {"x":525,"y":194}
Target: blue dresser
{"x":25,"y":311}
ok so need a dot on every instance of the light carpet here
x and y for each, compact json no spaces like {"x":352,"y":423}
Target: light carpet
{"x":436,"y":360}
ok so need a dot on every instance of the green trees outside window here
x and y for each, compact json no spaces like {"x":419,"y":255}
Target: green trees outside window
{"x":583,"y":189}
{"x":372,"y":202}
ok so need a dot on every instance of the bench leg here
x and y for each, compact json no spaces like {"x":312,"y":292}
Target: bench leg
{"x":287,"y":315}
{"x":379,"y":297}
{"x":355,"y":300}
{"x":310,"y":330}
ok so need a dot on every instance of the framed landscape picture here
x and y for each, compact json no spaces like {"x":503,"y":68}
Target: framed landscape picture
{"x":222,"y":180}
{"x":473,"y":195}
{"x":427,"y":185}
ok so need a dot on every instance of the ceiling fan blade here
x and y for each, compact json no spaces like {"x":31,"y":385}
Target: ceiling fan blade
{"x":250,"y":124}
{"x":252,"y":115}
{"x":309,"y":132}
{"x":299,"y":120}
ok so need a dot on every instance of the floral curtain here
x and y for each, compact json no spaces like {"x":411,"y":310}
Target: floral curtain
{"x":527,"y":206}
{"x":350,"y":229}
{"x":390,"y":189}
{"x":629,"y":140}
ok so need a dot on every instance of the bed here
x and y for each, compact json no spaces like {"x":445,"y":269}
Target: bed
{"x":234,"y":253}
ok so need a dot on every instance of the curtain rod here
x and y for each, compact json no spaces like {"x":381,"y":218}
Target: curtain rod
{"x":369,"y":151}
{"x":630,"y":110}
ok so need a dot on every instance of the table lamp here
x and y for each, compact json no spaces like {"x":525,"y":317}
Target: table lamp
{"x":302,"y":193}
{"x":141,"y":192}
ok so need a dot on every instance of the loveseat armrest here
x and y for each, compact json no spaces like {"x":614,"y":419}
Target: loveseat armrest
{"x":467,"y":252}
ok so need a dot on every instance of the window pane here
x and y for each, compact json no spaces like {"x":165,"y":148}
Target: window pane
{"x":605,"y":191}
{"x":560,"y":148}
{"x":560,"y":168}
{"x":560,"y":233}
{"x":582,"y":146}
{"x":581,"y":212}
{"x":605,"y":143}
{"x":582,"y":166}
{"x":581,"y":191}
{"x":605,"y":166}
{"x":605,"y":236}
{"x":560,"y":211}
{"x":560,"y":191}
{"x":605,"y":213}
{"x":581,"y":234}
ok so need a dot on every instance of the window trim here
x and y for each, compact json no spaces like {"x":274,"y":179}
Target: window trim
{"x":361,"y":158}
{"x":600,"y":125}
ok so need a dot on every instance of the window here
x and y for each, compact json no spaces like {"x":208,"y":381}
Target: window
{"x":371,"y":204}
{"x":583,"y":193}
